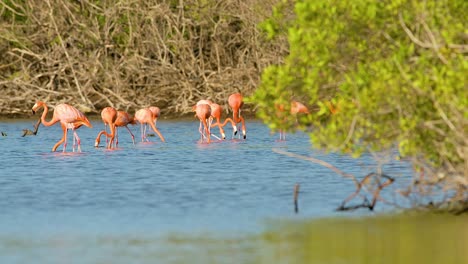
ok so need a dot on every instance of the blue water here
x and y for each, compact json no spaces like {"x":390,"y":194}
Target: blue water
{"x":228,"y":188}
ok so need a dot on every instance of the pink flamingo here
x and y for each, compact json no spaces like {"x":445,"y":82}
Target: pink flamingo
{"x":235,"y":102}
{"x":69,"y":118}
{"x":156,"y":112}
{"x":123,"y":119}
{"x":203,"y":112}
{"x":216,"y":111}
{"x":109,"y":116}
{"x":145,"y":116}
{"x":296,"y":107}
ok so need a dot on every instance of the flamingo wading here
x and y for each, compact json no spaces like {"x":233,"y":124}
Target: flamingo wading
{"x":109,"y":116}
{"x":235,"y":102}
{"x":296,"y":108}
{"x":203,"y":112}
{"x":69,"y":118}
{"x":123,"y":119}
{"x":145,"y":116}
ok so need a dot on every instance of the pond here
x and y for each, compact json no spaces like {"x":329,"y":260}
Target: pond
{"x":162,"y":201}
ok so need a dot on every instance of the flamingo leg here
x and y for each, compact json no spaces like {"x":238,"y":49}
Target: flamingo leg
{"x":74,"y":140}
{"x":105,"y":129}
{"x":116,"y":136}
{"x":142,"y":138}
{"x":233,"y":124}
{"x":208,"y":131}
{"x":145,"y":133}
{"x":78,"y":141}
{"x":201,"y":131}
{"x":282,"y":135}
{"x":243,"y":124}
{"x":64,"y":136}
{"x":129,"y":131}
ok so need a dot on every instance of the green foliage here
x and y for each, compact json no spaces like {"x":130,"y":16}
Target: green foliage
{"x":394,"y":71}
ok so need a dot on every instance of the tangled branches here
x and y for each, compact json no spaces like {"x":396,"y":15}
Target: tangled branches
{"x":128,"y":54}
{"x":371,"y":185}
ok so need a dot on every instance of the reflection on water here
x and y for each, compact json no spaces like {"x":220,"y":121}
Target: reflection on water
{"x":100,"y":204}
{"x":424,"y":238}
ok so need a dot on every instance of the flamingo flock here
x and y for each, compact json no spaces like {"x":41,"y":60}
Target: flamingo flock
{"x":205,"y":110}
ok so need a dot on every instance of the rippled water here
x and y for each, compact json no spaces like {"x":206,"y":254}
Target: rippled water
{"x":75,"y":201}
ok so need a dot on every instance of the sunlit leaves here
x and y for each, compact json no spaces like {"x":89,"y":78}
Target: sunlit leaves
{"x":370,"y":83}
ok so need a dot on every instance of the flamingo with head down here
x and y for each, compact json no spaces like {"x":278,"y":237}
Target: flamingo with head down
{"x":69,"y":118}
{"x":235,"y":102}
{"x":203,"y":113}
{"x":123,"y":119}
{"x":145,"y":116}
{"x":296,"y":108}
{"x":156,"y":113}
{"x":109,"y":116}
{"x":216,"y":111}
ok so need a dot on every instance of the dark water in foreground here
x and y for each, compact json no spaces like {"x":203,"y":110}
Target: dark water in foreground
{"x":174,"y":202}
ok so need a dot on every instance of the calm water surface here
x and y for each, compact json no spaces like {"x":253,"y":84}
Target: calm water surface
{"x":89,"y":206}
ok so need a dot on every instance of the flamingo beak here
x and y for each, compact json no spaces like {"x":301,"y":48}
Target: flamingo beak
{"x":34,"y":112}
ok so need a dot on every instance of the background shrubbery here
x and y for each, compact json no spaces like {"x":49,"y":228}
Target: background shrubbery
{"x":131,"y":53}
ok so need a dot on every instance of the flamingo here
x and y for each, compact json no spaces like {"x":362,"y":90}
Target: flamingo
{"x":123,"y":119}
{"x":296,"y":107}
{"x":145,"y":116}
{"x":203,"y":112}
{"x":109,"y":116}
{"x":69,"y":118}
{"x":216,"y":111}
{"x":236,"y":103}
{"x":156,"y":112}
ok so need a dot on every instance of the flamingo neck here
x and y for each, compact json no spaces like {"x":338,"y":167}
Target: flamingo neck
{"x":44,"y":114}
{"x":236,"y":116}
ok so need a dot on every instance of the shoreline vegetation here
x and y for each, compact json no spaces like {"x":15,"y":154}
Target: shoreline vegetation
{"x":94,"y":54}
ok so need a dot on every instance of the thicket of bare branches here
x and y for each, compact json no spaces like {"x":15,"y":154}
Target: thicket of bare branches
{"x":131,"y":53}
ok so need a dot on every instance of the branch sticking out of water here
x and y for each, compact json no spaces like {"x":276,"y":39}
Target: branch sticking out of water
{"x":27,"y":132}
{"x":296,"y":196}
{"x":371,"y":182}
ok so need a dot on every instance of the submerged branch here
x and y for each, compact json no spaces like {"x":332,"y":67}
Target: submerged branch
{"x":371,"y":182}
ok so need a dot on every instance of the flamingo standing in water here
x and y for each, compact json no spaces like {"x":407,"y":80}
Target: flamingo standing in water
{"x":203,"y":112}
{"x":69,"y":118}
{"x":145,"y":116}
{"x":123,"y":119}
{"x":216,"y":111}
{"x":156,"y":112}
{"x":109,"y":116}
{"x":296,"y":107}
{"x":235,"y":102}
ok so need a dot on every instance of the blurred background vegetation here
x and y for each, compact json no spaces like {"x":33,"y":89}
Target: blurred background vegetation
{"x":131,"y":53}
